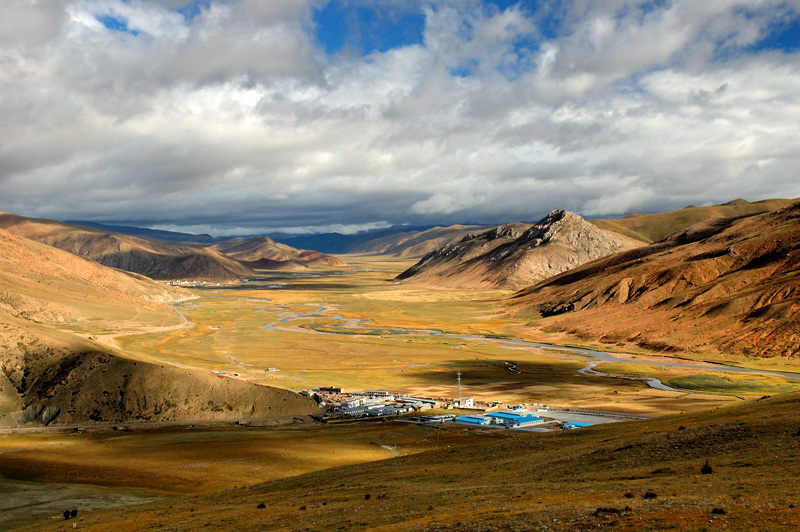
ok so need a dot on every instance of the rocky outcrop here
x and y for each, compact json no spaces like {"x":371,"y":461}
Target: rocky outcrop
{"x":515,"y":255}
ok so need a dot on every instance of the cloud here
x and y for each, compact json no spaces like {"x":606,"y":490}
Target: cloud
{"x":231,"y":115}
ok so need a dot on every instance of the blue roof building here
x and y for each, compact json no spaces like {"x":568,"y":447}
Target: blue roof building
{"x":514,"y":419}
{"x":473,"y":420}
{"x":571,"y":425}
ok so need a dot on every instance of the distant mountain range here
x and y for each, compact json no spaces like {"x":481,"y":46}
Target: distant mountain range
{"x":159,"y":259}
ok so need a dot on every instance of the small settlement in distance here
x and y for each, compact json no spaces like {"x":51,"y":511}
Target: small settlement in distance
{"x":341,"y":405}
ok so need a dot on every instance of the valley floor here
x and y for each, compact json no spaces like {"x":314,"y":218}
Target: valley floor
{"x":356,"y":329}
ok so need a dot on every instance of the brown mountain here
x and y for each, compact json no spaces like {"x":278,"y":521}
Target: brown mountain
{"x":48,"y":376}
{"x":515,"y":255}
{"x":417,"y":243}
{"x":272,"y":254}
{"x":45,"y":284}
{"x":725,"y":285}
{"x":156,"y":260}
{"x":654,"y":227}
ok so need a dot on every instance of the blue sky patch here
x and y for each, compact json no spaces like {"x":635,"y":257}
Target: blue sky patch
{"x":363,"y":29}
{"x":116,"y":24}
{"x":192,"y":9}
{"x":784,"y":36}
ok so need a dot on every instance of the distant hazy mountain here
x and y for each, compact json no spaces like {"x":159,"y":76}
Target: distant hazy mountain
{"x":338,"y":243}
{"x":263,"y":252}
{"x":416,"y":243}
{"x":157,"y":260}
{"x":151,"y":234}
{"x":515,"y":255}
{"x":730,"y":285}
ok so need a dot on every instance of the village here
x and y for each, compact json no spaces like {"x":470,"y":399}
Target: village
{"x":341,"y":405}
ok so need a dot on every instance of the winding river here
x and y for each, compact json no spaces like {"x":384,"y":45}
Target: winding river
{"x":592,"y":357}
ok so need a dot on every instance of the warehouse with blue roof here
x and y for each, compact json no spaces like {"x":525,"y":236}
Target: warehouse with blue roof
{"x":514,"y":419}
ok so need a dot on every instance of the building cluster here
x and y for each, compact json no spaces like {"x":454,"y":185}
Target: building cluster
{"x":370,"y":403}
{"x":341,"y":404}
{"x":189,"y":283}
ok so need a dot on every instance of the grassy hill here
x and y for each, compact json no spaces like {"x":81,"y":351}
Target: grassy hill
{"x":653,"y":227}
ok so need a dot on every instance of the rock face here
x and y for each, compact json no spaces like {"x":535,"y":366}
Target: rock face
{"x":264,"y":253}
{"x":156,"y":260}
{"x":516,"y":255}
{"x":725,"y":285}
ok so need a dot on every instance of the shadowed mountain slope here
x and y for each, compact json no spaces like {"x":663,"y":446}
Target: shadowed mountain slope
{"x":724,"y":285}
{"x":250,"y":251}
{"x":52,"y":378}
{"x":48,"y":376}
{"x":515,"y":255}
{"x":653,"y":227}
{"x":633,"y":476}
{"x":156,"y":260}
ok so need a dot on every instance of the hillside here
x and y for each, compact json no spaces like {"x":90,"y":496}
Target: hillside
{"x":44,"y":284}
{"x":272,"y":254}
{"x":727,"y":286}
{"x":156,"y":260}
{"x":416,"y":243}
{"x":515,"y":255}
{"x":654,"y":227}
{"x":53,"y":377}
{"x":633,"y":476}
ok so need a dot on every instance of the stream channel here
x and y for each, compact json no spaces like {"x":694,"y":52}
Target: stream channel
{"x":592,"y":357}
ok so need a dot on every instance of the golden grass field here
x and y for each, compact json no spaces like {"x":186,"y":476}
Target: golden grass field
{"x":356,"y":330}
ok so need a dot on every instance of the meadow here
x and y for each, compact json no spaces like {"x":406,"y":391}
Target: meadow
{"x":358,"y":330}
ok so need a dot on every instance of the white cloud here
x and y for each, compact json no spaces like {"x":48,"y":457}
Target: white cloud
{"x":237,"y":118}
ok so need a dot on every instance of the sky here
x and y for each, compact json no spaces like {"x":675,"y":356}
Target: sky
{"x":249,"y":116}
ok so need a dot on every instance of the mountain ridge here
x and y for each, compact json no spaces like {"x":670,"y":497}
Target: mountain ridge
{"x":725,"y":285}
{"x":516,"y":254}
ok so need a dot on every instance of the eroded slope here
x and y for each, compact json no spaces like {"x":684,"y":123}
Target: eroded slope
{"x":722,"y":286}
{"x":515,"y":255}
